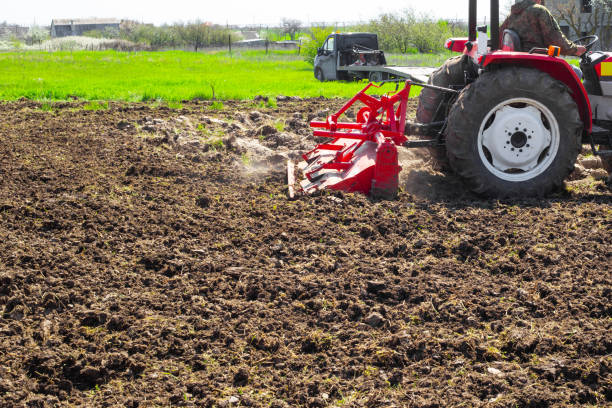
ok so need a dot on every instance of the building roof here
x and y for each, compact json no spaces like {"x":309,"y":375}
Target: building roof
{"x":85,"y":21}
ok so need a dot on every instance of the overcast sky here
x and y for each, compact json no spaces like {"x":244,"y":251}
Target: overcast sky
{"x":233,"y":12}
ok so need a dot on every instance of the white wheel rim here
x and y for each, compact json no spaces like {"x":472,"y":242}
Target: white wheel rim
{"x":518,"y":139}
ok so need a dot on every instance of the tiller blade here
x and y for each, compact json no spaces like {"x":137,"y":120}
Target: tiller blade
{"x":361,"y":156}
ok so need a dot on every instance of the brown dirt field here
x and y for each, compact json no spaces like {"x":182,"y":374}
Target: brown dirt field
{"x":150,"y":258}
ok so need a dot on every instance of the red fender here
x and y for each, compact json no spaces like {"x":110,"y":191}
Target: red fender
{"x":557,"y":68}
{"x":456,"y":44}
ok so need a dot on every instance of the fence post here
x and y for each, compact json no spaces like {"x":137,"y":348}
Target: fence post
{"x":229,"y":43}
{"x":266,"y":46}
{"x":299,"y":47}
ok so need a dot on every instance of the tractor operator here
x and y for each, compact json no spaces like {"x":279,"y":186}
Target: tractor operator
{"x":536,"y":27}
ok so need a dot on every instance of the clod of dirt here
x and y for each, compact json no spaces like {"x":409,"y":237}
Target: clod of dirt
{"x":124,"y":124}
{"x":366,"y":231}
{"x":323,"y":113}
{"x":266,"y":130}
{"x":592,"y":162}
{"x":521,"y":293}
{"x":599,"y":174}
{"x":283,"y":98}
{"x":93,"y":318}
{"x":214,"y":121}
{"x":374,"y":320}
{"x":280,"y":139}
{"x":203,"y":201}
{"x":255,"y":116}
{"x":494,"y":371}
{"x":241,"y":377}
{"x":117,"y":323}
{"x":237,"y":127}
{"x":90,"y":375}
{"x":376,"y":286}
{"x":243,"y":118}
{"x":396,"y":378}
{"x":279,"y":404}
{"x":229,"y":142}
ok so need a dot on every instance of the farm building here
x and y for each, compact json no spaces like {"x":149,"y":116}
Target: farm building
{"x":8,"y":31}
{"x":68,"y":27}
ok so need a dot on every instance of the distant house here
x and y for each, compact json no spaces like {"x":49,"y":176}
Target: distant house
{"x":68,"y":27}
{"x":8,"y":31}
{"x":250,"y":35}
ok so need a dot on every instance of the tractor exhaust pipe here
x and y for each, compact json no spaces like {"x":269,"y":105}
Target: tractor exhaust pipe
{"x":494,"y":25}
{"x":472,"y":21}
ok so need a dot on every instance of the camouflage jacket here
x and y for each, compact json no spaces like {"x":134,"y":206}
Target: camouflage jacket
{"x":536,"y":27}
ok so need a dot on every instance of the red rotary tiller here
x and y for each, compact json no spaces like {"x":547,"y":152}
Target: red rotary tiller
{"x":362,"y":156}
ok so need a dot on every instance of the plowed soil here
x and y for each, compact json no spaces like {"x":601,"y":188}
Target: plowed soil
{"x":150,"y":257}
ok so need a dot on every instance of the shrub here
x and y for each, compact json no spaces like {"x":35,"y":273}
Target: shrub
{"x":317,"y":38}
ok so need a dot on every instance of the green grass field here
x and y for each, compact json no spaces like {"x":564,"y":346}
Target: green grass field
{"x":164,"y":76}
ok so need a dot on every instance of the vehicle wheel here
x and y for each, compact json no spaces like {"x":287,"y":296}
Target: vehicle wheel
{"x":319,"y":74}
{"x":606,"y":161}
{"x":450,"y":73}
{"x":512,"y":141}
{"x":377,"y":76}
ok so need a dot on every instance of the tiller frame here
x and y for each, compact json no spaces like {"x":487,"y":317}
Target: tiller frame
{"x":362,"y":156}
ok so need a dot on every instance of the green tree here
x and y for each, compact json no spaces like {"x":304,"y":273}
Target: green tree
{"x":317,"y":38}
{"x":408,"y":31}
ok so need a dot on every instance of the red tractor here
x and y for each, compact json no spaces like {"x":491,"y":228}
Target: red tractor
{"x":510,"y":123}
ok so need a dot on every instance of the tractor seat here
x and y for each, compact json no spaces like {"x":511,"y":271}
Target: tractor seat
{"x":511,"y":41}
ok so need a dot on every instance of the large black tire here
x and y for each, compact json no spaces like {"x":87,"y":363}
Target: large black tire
{"x":450,"y":73}
{"x":319,"y":74}
{"x":554,"y":147}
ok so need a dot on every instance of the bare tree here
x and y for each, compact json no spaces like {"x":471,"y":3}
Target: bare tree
{"x":195,"y":34}
{"x":291,"y":27}
{"x":586,"y":17}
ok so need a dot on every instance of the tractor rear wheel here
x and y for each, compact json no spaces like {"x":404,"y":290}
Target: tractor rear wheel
{"x":429,"y":108}
{"x":508,"y":140}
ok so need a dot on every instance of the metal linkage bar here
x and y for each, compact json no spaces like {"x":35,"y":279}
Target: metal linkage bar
{"x":437,"y":88}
